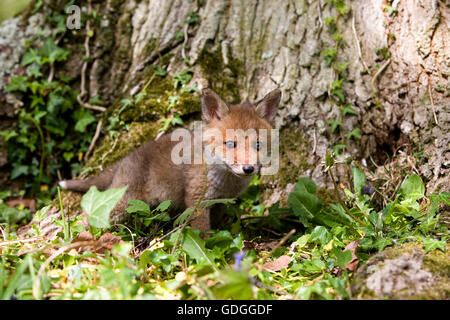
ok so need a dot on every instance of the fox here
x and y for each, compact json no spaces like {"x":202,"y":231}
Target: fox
{"x":152,"y":175}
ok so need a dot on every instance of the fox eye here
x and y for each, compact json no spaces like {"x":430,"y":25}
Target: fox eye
{"x":258,"y":145}
{"x":230,"y":144}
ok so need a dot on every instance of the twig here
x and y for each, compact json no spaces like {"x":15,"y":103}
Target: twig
{"x":83,"y":91}
{"x":183,"y":52}
{"x":110,"y":150}
{"x":94,"y":139}
{"x":432,"y":102}
{"x":374,"y":79}
{"x":9,"y":242}
{"x":131,"y":233}
{"x":279,"y":244}
{"x":315,"y":141}
{"x":52,"y":72}
{"x":358,"y":45}
{"x":3,"y":233}
{"x":160,"y":239}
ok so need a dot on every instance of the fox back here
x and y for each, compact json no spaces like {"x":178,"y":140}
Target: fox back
{"x":230,"y":158}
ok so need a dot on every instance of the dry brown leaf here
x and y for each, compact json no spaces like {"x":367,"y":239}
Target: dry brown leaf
{"x":280,"y":263}
{"x":29,"y":203}
{"x":106,"y":242}
{"x":353,"y":264}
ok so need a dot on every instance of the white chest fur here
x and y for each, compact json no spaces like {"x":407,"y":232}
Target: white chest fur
{"x":224,"y":184}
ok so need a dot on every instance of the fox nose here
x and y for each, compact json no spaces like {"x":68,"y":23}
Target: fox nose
{"x":248,"y":169}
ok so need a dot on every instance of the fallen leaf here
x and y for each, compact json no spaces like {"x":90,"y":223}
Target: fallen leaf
{"x":29,"y":203}
{"x":280,"y":263}
{"x":106,"y":242}
{"x":353,"y":264}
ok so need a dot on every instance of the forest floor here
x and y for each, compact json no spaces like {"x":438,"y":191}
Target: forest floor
{"x":312,"y":249}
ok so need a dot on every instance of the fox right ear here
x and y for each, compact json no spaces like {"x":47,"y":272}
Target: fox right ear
{"x":213,"y":106}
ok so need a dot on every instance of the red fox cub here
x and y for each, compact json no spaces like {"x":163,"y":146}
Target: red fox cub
{"x":153,"y":172}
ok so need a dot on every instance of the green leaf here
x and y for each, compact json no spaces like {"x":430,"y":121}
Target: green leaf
{"x":236,"y":285}
{"x":303,"y":200}
{"x":84,"y":118}
{"x":98,"y":205}
{"x":343,"y":257}
{"x":349,"y":110}
{"x":412,"y":188}
{"x":163,"y":206}
{"x":31,"y":56}
{"x":195,"y":248}
{"x":138,"y":206}
{"x":17,"y":84}
{"x":432,"y":244}
{"x":354,"y":133}
{"x":359,"y":179}
{"x":334,"y":124}
{"x":8,"y":134}
{"x":19,"y":170}
{"x":321,"y":234}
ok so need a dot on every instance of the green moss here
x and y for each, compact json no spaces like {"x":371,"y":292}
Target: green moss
{"x":327,"y":195}
{"x":222,"y":78}
{"x":436,"y":261}
{"x":293,"y":158}
{"x":127,"y":141}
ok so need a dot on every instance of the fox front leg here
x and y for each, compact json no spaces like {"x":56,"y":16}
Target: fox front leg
{"x":201,"y":220}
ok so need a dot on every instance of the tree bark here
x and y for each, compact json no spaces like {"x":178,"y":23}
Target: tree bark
{"x":401,"y":96}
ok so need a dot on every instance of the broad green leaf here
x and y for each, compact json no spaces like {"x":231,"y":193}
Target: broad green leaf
{"x":359,"y":179}
{"x":412,"y":188}
{"x":195,"y":248}
{"x":19,"y":170}
{"x":342,"y":257}
{"x":302,"y":241}
{"x":320,"y":234}
{"x":433,"y":244}
{"x":138,"y":206}
{"x":186,"y":215}
{"x":303,"y":201}
{"x":98,"y":205}
{"x":17,"y":84}
{"x":236,"y":285}
{"x":84,"y":118}
{"x":163,"y":206}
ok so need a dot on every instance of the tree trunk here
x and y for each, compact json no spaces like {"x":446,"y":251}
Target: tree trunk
{"x":396,"y":79}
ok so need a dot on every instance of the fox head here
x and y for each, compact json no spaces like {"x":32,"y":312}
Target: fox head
{"x":238,"y":136}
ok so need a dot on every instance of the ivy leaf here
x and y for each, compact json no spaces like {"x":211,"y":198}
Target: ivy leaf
{"x":349,"y":110}
{"x":19,"y":170}
{"x":98,"y":205}
{"x":343,"y":257}
{"x":8,"y":134}
{"x":334,"y":124}
{"x":354,"y":133}
{"x":163,"y":206}
{"x":84,"y":118}
{"x":432,"y":244}
{"x":52,"y":52}
{"x":31,"y":56}
{"x":17,"y":84}
{"x":138,"y":206}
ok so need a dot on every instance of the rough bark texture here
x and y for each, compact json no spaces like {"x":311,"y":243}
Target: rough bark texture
{"x":281,"y":44}
{"x":245,"y":48}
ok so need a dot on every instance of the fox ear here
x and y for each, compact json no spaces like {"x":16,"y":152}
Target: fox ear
{"x":267,"y":107}
{"x":213,"y":106}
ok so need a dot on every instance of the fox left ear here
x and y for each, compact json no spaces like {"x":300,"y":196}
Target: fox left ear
{"x":267,"y":107}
